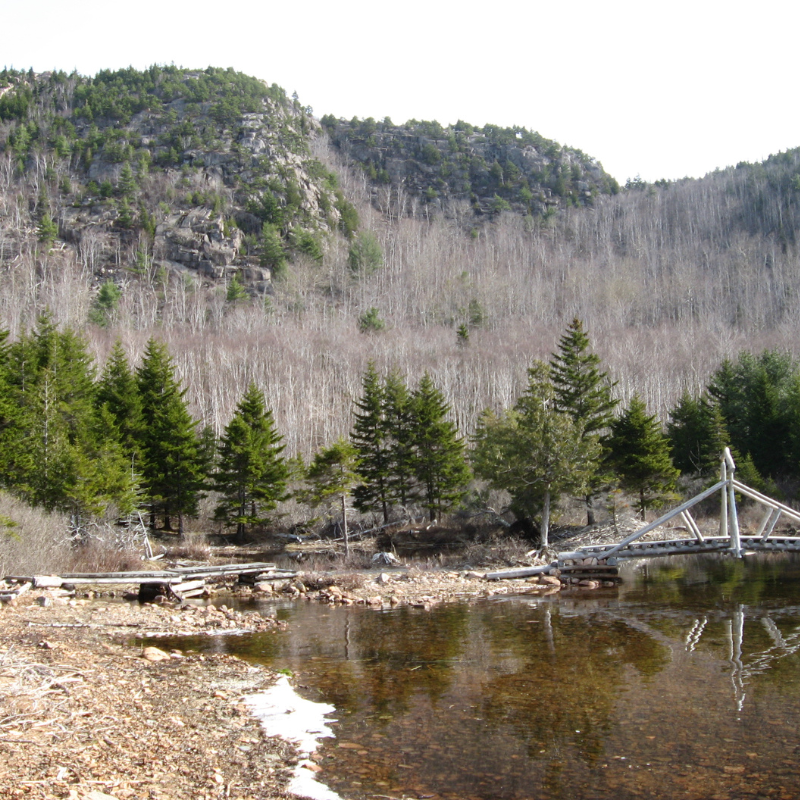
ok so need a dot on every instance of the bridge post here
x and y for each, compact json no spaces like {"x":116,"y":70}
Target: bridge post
{"x":723,"y":511}
{"x":730,"y":467}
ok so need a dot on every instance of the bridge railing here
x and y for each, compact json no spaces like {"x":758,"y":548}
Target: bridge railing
{"x":729,"y":539}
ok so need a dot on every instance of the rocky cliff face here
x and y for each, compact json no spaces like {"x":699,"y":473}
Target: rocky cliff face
{"x":494,"y":169}
{"x":211,"y":174}
{"x":208,"y":172}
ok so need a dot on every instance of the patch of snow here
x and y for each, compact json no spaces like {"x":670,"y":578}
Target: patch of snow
{"x":282,"y":712}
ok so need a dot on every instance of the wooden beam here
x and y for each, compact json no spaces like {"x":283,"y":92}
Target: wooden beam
{"x":668,"y":516}
{"x":692,"y":525}
{"x":767,"y":501}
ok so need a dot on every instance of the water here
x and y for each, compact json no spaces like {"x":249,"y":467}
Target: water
{"x":684,"y":683}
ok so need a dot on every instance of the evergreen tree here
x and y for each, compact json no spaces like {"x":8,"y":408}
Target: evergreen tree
{"x":118,"y":393}
{"x":46,"y":230}
{"x":334,"y":474}
{"x":580,"y":388}
{"x":697,"y":435}
{"x":753,"y":394}
{"x":172,"y":474}
{"x":15,"y":458}
{"x":127,"y":185}
{"x":51,"y":380}
{"x":398,"y":419}
{"x":583,"y":391}
{"x":101,"y":480}
{"x":535,"y":451}
{"x":251,"y":474}
{"x":639,"y":452}
{"x":440,"y":465}
{"x":372,"y":439}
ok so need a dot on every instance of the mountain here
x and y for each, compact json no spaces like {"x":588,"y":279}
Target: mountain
{"x":209,"y":171}
{"x":211,"y":210}
{"x":494,"y":169}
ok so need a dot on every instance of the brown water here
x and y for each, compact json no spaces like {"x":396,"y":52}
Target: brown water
{"x":683,"y":684}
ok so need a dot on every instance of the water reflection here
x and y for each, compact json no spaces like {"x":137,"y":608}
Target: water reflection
{"x":685,"y":683}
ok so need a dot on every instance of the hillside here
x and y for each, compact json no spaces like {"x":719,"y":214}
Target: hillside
{"x":494,"y":169}
{"x":212,"y":211}
{"x":207,"y":171}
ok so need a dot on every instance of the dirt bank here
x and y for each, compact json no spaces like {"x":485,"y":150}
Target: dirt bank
{"x":85,"y":716}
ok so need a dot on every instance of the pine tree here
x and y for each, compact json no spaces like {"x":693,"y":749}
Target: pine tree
{"x":251,"y":474}
{"x":398,"y":419}
{"x":697,"y":435}
{"x":640,"y":454}
{"x":535,"y":451}
{"x":172,"y":474}
{"x":118,"y":393}
{"x":334,"y":474}
{"x":440,"y":465}
{"x":372,"y":439}
{"x":46,"y":230}
{"x":51,"y":380}
{"x":127,"y":184}
{"x":583,"y":391}
{"x":15,"y":458}
{"x":753,"y":394}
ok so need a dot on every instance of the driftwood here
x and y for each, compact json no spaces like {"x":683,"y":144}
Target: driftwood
{"x":11,"y":593}
{"x":183,"y":582}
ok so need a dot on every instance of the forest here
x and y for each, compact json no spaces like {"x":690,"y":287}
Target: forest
{"x":342,"y":289}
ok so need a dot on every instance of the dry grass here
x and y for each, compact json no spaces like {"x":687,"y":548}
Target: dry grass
{"x":31,"y":540}
{"x":35,"y":542}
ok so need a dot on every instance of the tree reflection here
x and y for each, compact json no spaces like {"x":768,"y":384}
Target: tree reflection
{"x":561,"y":691}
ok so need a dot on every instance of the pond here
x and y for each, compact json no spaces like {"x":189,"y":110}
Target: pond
{"x":685,"y":682}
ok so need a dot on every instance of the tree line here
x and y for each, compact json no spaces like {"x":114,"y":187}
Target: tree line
{"x":121,"y":440}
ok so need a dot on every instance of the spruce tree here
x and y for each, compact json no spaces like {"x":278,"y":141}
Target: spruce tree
{"x":398,"y":419}
{"x":639,"y":452}
{"x":583,"y":391}
{"x":439,"y":460}
{"x":334,"y":474}
{"x":372,"y":439}
{"x":697,"y":435}
{"x":51,"y":380}
{"x":172,"y":474}
{"x":535,"y":452}
{"x":15,"y":457}
{"x":251,"y":474}
{"x":118,"y":392}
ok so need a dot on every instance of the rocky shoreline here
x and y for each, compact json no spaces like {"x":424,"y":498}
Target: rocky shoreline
{"x":85,"y":714}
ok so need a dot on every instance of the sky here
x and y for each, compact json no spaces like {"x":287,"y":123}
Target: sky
{"x":658,"y":90}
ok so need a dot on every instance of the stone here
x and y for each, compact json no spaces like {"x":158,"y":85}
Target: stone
{"x":383,"y":578}
{"x":550,"y":580}
{"x":264,"y":587}
{"x":155,"y":654}
{"x":44,"y":601}
{"x":385,"y":558}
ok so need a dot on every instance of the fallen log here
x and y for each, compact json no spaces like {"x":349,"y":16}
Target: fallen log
{"x":519,"y":572}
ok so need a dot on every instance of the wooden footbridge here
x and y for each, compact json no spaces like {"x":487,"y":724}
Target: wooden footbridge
{"x":730,"y":539}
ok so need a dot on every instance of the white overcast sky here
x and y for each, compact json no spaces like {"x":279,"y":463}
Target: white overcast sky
{"x":662,"y":90}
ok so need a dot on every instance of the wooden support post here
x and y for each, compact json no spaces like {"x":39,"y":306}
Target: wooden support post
{"x":775,"y":516}
{"x":723,"y":511}
{"x":692,"y":526}
{"x":736,"y":547}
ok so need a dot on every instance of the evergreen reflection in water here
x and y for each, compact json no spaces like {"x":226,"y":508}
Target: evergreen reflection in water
{"x":685,"y":684}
